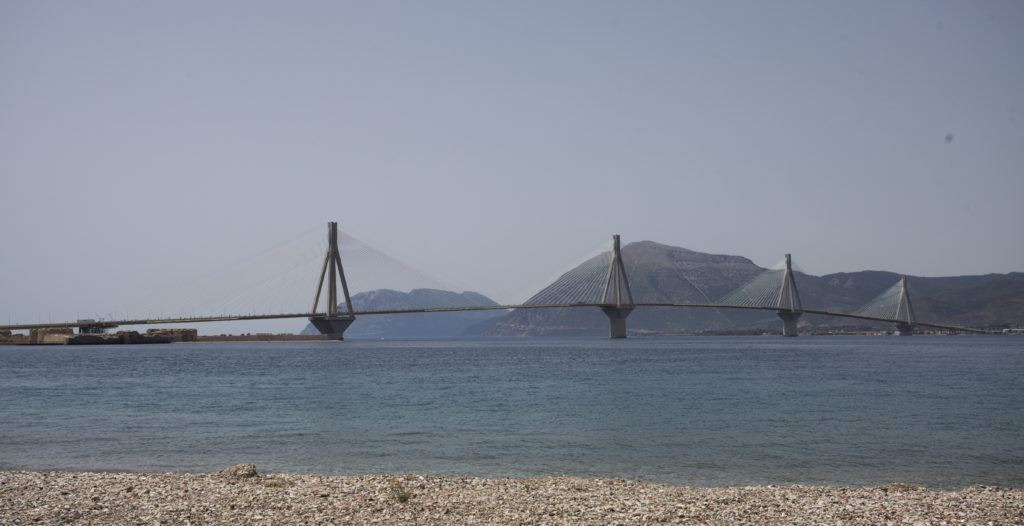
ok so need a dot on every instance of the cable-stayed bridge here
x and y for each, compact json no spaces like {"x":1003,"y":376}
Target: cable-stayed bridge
{"x":601,"y":282}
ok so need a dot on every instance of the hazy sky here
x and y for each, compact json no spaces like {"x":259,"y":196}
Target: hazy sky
{"x":493,"y":143}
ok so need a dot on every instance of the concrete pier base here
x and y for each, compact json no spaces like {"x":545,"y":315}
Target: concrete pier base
{"x":332,"y":326}
{"x":616,"y":320}
{"x":789,"y":319}
{"x":904,"y":329}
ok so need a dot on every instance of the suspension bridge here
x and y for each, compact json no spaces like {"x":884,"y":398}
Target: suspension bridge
{"x":601,"y":282}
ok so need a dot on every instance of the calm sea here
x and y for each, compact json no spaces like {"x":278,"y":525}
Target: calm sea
{"x":942,"y":412}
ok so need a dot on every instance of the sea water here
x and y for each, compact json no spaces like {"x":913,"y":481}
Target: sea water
{"x":938,"y":411}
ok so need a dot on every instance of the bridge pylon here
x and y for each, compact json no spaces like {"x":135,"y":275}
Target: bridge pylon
{"x":615,"y":284}
{"x":904,"y":311}
{"x":788,"y":305}
{"x":332,"y":323}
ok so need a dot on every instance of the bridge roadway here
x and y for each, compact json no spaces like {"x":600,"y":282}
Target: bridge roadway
{"x":120,"y":323}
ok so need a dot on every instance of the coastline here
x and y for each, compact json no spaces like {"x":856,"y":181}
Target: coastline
{"x":240,"y":495}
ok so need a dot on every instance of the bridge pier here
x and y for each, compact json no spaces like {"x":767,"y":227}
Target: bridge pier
{"x":616,"y":320}
{"x":332,"y":323}
{"x":332,"y":326}
{"x":788,"y":303}
{"x":904,"y":329}
{"x":789,"y":319}
{"x":615,"y":284}
{"x":905,"y":309}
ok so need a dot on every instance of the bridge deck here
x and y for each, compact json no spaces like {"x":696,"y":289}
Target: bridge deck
{"x":119,"y":323}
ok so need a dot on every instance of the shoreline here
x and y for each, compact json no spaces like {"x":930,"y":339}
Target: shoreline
{"x":241,"y":495}
{"x":22,"y":341}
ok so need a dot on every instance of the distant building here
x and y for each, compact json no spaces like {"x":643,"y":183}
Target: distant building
{"x":176,"y":335}
{"x":92,"y":328}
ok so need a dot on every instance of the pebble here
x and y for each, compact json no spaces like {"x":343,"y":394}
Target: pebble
{"x":33,"y":497}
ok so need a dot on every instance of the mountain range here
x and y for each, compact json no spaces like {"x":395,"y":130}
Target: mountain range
{"x":426,"y":325}
{"x":665,"y":274}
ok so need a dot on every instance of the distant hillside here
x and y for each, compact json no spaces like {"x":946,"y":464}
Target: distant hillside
{"x":994,"y":300}
{"x":665,"y":274}
{"x":425,"y":325}
{"x":658,"y":274}
{"x":991,"y":300}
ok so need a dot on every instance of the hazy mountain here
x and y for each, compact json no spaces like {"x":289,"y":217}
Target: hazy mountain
{"x":665,"y":274}
{"x":991,"y":300}
{"x":658,"y":274}
{"x":994,"y":300}
{"x":418,"y":325}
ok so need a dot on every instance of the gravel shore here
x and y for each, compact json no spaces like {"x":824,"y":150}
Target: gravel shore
{"x":240,"y":496}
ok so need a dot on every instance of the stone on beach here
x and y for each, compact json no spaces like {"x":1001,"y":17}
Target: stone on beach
{"x":241,"y":471}
{"x":32,"y":497}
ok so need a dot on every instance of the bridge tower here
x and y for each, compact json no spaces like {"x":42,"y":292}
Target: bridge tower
{"x":612,"y":296}
{"x":788,"y":305}
{"x":332,"y":323}
{"x":904,"y":311}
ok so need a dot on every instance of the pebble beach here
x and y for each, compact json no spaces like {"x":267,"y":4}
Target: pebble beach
{"x":240,"y":495}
